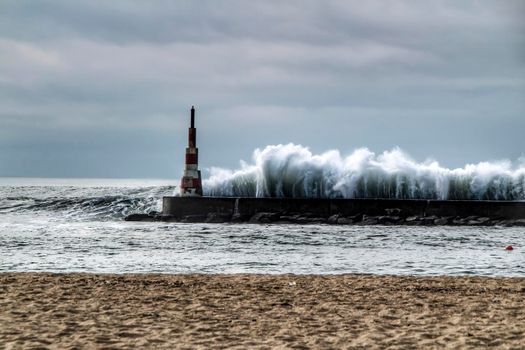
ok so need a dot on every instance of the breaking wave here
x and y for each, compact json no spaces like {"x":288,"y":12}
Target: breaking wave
{"x":293,"y":171}
{"x":80,"y":203}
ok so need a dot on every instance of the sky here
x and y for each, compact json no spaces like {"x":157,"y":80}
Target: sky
{"x":103,"y":88}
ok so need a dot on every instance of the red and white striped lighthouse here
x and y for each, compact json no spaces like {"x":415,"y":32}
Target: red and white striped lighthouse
{"x":191,"y":183}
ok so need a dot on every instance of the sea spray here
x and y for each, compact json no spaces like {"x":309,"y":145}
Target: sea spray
{"x":294,"y":171}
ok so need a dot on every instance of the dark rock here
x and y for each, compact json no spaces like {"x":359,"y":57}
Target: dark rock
{"x":217,"y":218}
{"x":459,"y":221}
{"x":288,"y":218}
{"x":388,"y":220}
{"x":296,"y":219}
{"x":471,"y":218}
{"x":428,"y":220}
{"x":369,"y":220}
{"x":356,"y":218}
{"x":497,"y":222}
{"x":442,"y":221}
{"x":332,"y":220}
{"x":412,"y":219}
{"x":299,"y":219}
{"x":345,"y":221}
{"x":315,"y":220}
{"x":479,"y":221}
{"x":139,"y":217}
{"x":240,"y":218}
{"x":518,"y":222}
{"x":166,"y":217}
{"x":507,"y":223}
{"x":264,"y":217}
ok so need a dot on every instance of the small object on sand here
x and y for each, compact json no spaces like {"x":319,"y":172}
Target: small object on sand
{"x":509,"y":247}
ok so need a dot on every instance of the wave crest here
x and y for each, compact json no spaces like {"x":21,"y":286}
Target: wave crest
{"x":79,"y":203}
{"x":293,"y":171}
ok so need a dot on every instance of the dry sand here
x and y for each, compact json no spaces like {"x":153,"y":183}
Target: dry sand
{"x":41,"y":310}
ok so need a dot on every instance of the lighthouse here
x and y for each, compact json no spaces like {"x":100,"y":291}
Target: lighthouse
{"x":191,"y":183}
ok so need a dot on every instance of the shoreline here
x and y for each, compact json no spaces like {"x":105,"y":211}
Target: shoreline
{"x":59,"y":310}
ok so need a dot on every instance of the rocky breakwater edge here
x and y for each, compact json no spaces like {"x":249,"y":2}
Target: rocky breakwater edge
{"x":391,"y":217}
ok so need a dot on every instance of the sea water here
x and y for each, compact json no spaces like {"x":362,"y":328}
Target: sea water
{"x":66,"y":225}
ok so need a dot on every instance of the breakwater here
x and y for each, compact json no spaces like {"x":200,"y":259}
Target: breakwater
{"x":338,"y":211}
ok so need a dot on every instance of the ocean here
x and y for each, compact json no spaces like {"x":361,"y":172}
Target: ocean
{"x":76,"y":225}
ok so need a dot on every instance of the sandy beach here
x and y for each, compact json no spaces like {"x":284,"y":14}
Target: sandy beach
{"x":60,"y":311}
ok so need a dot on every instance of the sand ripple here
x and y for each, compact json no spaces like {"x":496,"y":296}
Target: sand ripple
{"x":41,"y":310}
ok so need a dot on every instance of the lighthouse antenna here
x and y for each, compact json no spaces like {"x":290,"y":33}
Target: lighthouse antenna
{"x":192,"y":117}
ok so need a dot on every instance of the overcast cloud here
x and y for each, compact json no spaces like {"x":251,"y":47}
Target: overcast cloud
{"x":103,"y":88}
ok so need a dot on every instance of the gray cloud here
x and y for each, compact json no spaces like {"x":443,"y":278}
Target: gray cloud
{"x":100,"y":80}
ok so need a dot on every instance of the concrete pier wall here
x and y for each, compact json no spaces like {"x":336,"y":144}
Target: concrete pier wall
{"x":189,"y":206}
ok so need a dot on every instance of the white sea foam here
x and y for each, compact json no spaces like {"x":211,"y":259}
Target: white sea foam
{"x":294,"y":171}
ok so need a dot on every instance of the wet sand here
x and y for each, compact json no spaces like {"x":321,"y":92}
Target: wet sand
{"x":60,"y":311}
